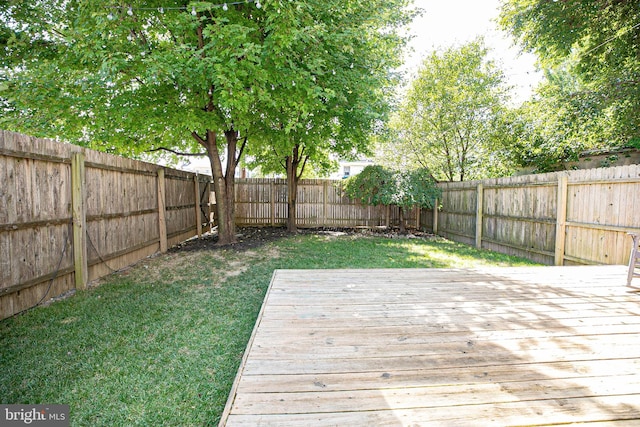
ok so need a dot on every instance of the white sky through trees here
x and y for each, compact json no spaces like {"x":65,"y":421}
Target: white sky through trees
{"x":446,"y":23}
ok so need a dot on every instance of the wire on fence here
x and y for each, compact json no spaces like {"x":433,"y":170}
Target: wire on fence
{"x":98,"y":253}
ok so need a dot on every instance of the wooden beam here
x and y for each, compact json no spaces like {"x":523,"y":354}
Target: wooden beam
{"x":196,"y":193}
{"x":272,"y":197}
{"x":78,"y":196}
{"x":387,"y":216}
{"x":325,"y":202}
{"x":435,"y":216}
{"x":209,"y":210}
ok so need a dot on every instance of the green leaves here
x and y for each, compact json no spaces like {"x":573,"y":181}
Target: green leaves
{"x":376,"y":185}
{"x":451,"y":120}
{"x":328,"y":79}
{"x":596,"y":43}
{"x":130,"y":77}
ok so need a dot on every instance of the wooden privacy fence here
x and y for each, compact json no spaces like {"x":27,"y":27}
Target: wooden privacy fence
{"x":561,"y":218}
{"x":321,"y":203}
{"x":69,"y":215}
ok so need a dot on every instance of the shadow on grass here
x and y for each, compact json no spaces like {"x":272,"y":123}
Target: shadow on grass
{"x":160,"y":343}
{"x":354,"y":251}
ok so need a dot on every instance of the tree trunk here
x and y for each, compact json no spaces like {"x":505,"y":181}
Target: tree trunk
{"x":223,"y":182}
{"x":402,"y":227}
{"x":292,"y":192}
{"x":293,"y":176}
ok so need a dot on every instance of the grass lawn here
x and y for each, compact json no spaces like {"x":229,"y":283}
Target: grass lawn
{"x":160,"y":343}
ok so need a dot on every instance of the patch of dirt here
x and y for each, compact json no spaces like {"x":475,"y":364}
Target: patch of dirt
{"x":254,"y":237}
{"x":248,"y":238}
{"x":392,"y":233}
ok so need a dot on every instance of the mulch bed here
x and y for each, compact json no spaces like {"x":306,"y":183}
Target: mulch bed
{"x":255,"y":237}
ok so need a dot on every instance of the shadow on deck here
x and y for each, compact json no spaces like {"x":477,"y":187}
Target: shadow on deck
{"x":492,"y":346}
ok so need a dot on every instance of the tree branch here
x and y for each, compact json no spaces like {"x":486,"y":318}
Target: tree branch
{"x":177,"y":153}
{"x":244,"y":144}
{"x":198,"y":138}
{"x":302,"y":168}
{"x":53,"y":30}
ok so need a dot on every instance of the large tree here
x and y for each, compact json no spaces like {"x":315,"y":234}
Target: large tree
{"x":596,"y":42}
{"x":559,"y":123}
{"x":148,"y":74}
{"x":452,"y":120}
{"x":331,"y":102}
{"x":129,"y":77}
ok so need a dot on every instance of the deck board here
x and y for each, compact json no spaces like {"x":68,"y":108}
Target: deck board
{"x":492,"y":346}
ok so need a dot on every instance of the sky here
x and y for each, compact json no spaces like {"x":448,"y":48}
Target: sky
{"x":447,"y":23}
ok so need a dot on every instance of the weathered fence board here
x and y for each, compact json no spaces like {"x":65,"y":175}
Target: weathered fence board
{"x":119,"y":207}
{"x":522,"y":216}
{"x":321,"y":203}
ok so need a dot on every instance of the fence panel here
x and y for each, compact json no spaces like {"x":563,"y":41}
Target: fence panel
{"x":457,"y":215}
{"x":180,"y":205}
{"x":121,"y":212}
{"x":120,"y":207}
{"x":320,"y":203}
{"x":519,"y":215}
{"x":35,"y":218}
{"x":602,"y":206}
{"x":261,"y":202}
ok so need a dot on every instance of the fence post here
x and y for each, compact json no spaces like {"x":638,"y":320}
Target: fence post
{"x":387,"y":216}
{"x":561,"y":219}
{"x":162,"y":219}
{"x":435,"y":216}
{"x":479,"y":209}
{"x":196,"y":192}
{"x":325,"y":202}
{"x":272,"y":197}
{"x":78,"y":196}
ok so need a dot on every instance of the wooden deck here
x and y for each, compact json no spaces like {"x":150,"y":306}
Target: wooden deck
{"x":510,"y":346}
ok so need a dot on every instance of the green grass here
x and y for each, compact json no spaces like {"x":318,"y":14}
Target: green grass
{"x":160,"y":343}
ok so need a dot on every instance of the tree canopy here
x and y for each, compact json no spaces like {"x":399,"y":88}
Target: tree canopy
{"x":129,"y":77}
{"x":595,"y":43}
{"x":452,"y":118}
